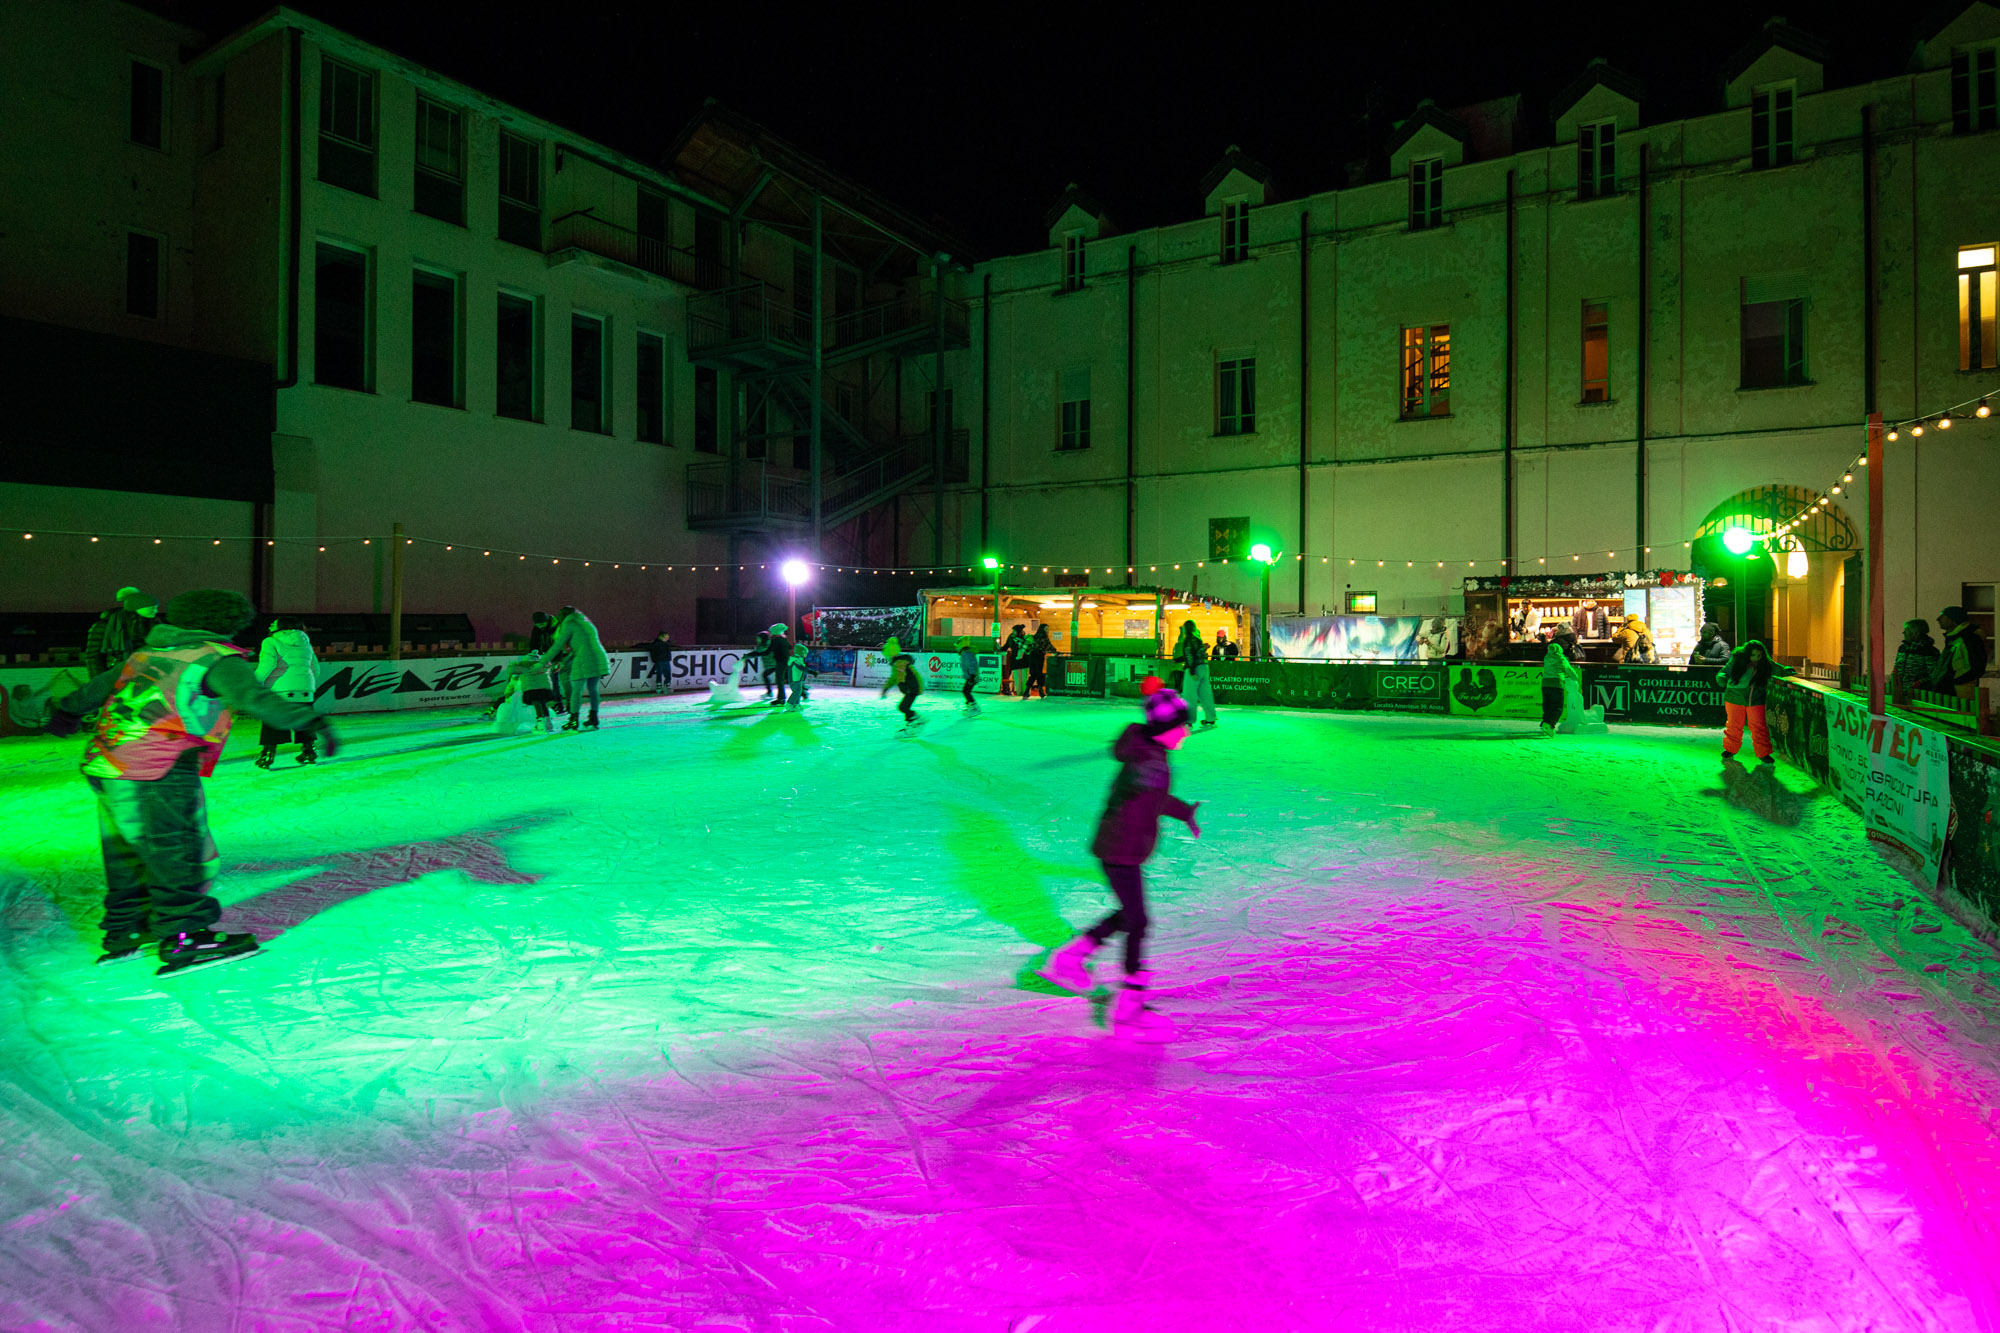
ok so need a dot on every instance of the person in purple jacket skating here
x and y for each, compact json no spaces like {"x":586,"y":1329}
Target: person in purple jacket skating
{"x":1127,"y":833}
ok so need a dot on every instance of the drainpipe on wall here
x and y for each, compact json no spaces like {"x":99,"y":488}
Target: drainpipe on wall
{"x":1305,"y":395}
{"x":1871,"y":577}
{"x":263,"y":522}
{"x":1645,"y":338}
{"x":986,"y":415}
{"x":1507,"y":402}
{"x":1131,"y":402}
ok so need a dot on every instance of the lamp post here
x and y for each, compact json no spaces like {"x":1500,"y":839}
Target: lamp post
{"x":1738,"y":541}
{"x":795,"y":573}
{"x":1265,"y":556}
{"x":992,"y":563}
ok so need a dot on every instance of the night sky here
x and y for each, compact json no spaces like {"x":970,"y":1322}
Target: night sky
{"x":977,"y":115}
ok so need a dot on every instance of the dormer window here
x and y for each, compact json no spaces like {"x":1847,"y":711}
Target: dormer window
{"x":1426,"y":193}
{"x":1597,"y":159}
{"x":1072,"y":274}
{"x":1973,"y":104}
{"x":1771,"y":127}
{"x":1235,"y":230}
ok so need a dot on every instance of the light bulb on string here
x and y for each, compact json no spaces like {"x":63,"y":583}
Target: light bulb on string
{"x":1893,"y":437}
{"x":1847,"y":476}
{"x":1944,"y":422}
{"x":1917,"y":429}
{"x":1983,"y":410}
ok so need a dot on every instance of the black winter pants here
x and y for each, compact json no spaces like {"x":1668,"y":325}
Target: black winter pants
{"x":1552,"y":704}
{"x":158,"y":858}
{"x":1129,"y":884}
{"x":970,"y":681}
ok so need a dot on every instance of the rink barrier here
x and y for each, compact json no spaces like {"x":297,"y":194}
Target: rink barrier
{"x":1926,"y":794}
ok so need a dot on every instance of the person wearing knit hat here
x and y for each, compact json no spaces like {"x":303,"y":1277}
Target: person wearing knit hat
{"x":1127,"y":833}
{"x":968,"y":671}
{"x":779,"y":650}
{"x":163,"y":719}
{"x":119,"y":632}
{"x":904,"y":676}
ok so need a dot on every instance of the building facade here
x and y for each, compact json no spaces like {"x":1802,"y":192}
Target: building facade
{"x":1583,"y":356}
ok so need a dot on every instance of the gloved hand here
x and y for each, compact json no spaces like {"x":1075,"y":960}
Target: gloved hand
{"x":329,"y":742}
{"x":62,"y":724}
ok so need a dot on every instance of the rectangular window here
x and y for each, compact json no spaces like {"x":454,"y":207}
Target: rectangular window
{"x":346,"y":126}
{"x":652,"y":231}
{"x":707,"y":413}
{"x":1771,"y":127}
{"x":1073,"y":426}
{"x":1774,"y":332}
{"x":1426,"y":193}
{"x":1596,"y":352}
{"x":434,"y":359}
{"x":1361,"y":604}
{"x":586,"y":375}
{"x":1426,"y":371}
{"x":652,"y":377}
{"x":340,"y":317}
{"x":1235,"y":231}
{"x":517,"y":378}
{"x":1597,"y":160}
{"x":1236,"y":396}
{"x":146,"y":120}
{"x":520,"y":190}
{"x":1973,"y":104}
{"x":440,"y":175}
{"x":1977,"y":601}
{"x":1072,"y":276}
{"x":1977,"y":299}
{"x":142,"y":275}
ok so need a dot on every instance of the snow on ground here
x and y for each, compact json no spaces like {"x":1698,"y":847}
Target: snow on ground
{"x":719,"y":1022}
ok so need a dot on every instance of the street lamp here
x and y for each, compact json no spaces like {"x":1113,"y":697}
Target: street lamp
{"x":795,"y":573}
{"x":1738,"y":540}
{"x":992,"y":563}
{"x":1265,"y":556}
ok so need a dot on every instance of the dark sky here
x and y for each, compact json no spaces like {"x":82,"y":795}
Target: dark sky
{"x":977,"y":115}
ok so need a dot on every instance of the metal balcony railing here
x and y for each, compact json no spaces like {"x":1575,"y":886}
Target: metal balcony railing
{"x":584,"y":230}
{"x":747,"y":317}
{"x":905,"y":316}
{"x":750,"y":494}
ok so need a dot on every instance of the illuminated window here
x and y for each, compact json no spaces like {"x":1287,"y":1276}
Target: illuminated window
{"x":1771,"y":127}
{"x":1426,"y":193}
{"x":1596,"y":352}
{"x":1426,"y":371}
{"x":1596,"y":159}
{"x":440,"y":168}
{"x":1973,"y":104}
{"x":1072,"y":275}
{"x":346,"y":127}
{"x":1976,"y":302}
{"x":1235,"y":231}
{"x":1073,"y":428}
{"x":1361,"y":604}
{"x":1236,"y":396}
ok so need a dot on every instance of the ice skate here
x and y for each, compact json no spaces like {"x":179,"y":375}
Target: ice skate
{"x":265,"y":758}
{"x":572,"y":724}
{"x":1548,"y":730}
{"x":124,"y":947}
{"x":198,"y":948}
{"x":1208,"y":725}
{"x":1130,"y":1016}
{"x":548,"y":726}
{"x":592,"y":724}
{"x":1065,"y":966}
{"x":308,"y":753}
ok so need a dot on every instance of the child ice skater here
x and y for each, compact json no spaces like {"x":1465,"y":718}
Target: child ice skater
{"x":287,"y":666}
{"x":1127,"y":832}
{"x":795,"y":669}
{"x":968,"y":668}
{"x":165,"y":715}
{"x":903,"y":675}
{"x":531,"y":678}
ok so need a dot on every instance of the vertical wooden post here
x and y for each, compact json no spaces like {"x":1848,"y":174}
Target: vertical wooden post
{"x":396,"y":592}
{"x":1876,"y":645}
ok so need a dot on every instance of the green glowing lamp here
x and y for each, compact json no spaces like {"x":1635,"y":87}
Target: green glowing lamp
{"x":1738,"y":540}
{"x":991,"y":562}
{"x":1262,"y":553}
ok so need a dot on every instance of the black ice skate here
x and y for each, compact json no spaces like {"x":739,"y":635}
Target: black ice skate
{"x":197,"y":948}
{"x":122,"y":948}
{"x":266,"y":757}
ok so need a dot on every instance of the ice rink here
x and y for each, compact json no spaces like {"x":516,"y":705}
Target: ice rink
{"x":720,"y":1022}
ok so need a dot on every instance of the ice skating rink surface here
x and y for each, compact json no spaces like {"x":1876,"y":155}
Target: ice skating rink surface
{"x":719,"y":1022}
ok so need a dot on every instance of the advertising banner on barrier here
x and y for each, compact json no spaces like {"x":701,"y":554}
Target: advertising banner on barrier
{"x":440,"y":682}
{"x":1672,"y":696}
{"x":1364,"y":638}
{"x":1407,"y":687}
{"x":1896,"y":773}
{"x":1240,"y":682}
{"x":940,"y":671}
{"x":1846,"y":749}
{"x":1502,"y":689}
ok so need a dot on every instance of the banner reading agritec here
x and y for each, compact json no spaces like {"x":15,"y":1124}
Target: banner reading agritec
{"x":1898,"y":774}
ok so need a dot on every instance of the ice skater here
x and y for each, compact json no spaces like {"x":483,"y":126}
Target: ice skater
{"x":903,"y":675}
{"x":288,"y":667}
{"x":1559,"y":677}
{"x":164,"y":719}
{"x":530,"y":679}
{"x":796,"y":668}
{"x":1746,"y":685}
{"x":779,"y":671}
{"x":1039,"y":653}
{"x":1192,"y":654}
{"x":1127,"y":833}
{"x":760,"y":656}
{"x":968,"y":670}
{"x":579,"y":654}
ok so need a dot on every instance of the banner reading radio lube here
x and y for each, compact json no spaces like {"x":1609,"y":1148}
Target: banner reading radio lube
{"x":1897,"y":774}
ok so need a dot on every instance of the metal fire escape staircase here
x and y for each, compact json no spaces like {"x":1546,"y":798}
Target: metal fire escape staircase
{"x":765,"y":344}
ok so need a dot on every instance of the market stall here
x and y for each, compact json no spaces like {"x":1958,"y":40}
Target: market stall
{"x":1513,"y":617}
{"x":1113,"y":622}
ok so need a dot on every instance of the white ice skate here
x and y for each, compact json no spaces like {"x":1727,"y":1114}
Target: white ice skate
{"x":911,"y":727}
{"x":1131,"y":1018}
{"x":1065,"y":966}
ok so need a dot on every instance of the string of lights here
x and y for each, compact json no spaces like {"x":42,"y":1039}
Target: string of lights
{"x":1979,"y":408}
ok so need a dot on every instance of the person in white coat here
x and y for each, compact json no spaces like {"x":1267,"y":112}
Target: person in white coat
{"x":289,"y":668}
